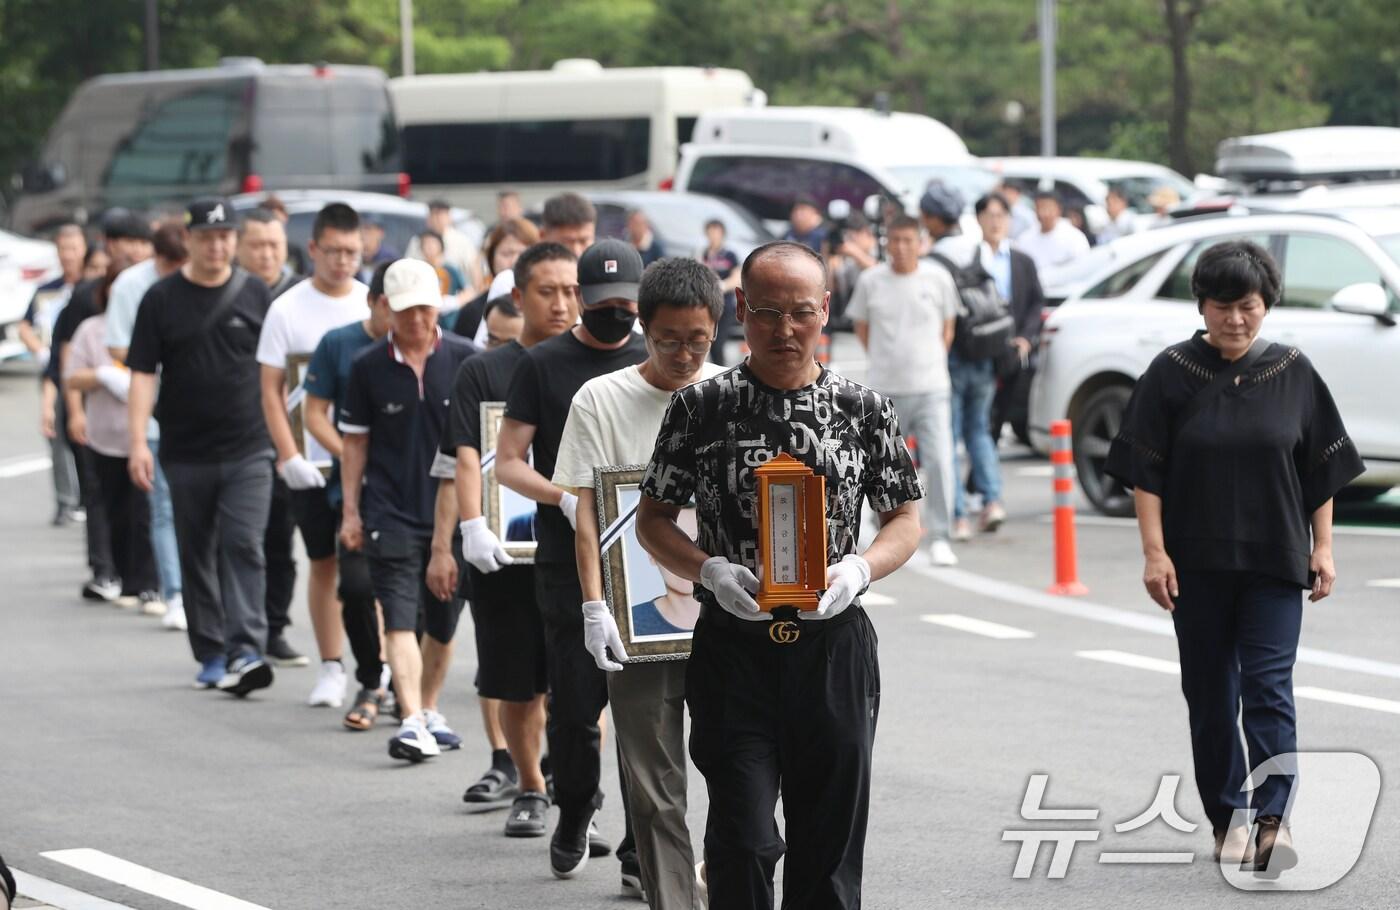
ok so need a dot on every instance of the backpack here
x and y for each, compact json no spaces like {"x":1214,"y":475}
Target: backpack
{"x":985,"y":325}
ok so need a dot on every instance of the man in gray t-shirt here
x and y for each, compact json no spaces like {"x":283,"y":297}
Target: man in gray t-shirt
{"x":903,"y":312}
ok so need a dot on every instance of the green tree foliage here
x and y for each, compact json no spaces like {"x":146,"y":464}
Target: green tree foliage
{"x":1252,"y":65}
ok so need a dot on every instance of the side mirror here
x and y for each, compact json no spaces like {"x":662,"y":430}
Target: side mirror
{"x":874,"y":208}
{"x":1363,"y":299}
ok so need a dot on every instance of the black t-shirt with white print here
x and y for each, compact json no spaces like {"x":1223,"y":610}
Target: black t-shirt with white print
{"x":718,"y":431}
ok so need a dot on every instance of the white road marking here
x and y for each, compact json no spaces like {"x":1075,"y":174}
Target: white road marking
{"x":1146,"y":858}
{"x":30,"y":464}
{"x":1137,"y":661}
{"x":1036,"y":470}
{"x":872,"y":599}
{"x":1383,"y":583}
{"x":1312,"y":693}
{"x":149,"y":881}
{"x":60,"y":896}
{"x":976,"y":626}
{"x":1107,"y":521}
{"x":1117,"y":616}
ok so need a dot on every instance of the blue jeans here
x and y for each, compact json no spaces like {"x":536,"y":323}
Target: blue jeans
{"x":1237,"y":635}
{"x":163,"y":530}
{"x":974,"y":387}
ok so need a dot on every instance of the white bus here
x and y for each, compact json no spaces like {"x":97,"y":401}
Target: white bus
{"x":576,"y":126}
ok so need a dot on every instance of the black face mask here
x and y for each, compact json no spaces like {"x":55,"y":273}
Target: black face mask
{"x":608,"y":324}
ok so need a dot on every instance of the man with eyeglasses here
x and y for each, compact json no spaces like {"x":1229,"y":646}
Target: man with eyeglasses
{"x":297,"y":320}
{"x":537,"y":407}
{"x":781,"y":707}
{"x":613,"y":421}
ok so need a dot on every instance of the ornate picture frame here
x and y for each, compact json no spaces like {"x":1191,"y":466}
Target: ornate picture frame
{"x":307,"y":445}
{"x":509,"y":515}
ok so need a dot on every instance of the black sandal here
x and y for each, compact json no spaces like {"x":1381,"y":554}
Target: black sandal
{"x":493,"y":787}
{"x":364,"y":712}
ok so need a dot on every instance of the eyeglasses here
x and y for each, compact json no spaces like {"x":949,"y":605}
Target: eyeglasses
{"x":769,"y":318}
{"x":671,"y":347}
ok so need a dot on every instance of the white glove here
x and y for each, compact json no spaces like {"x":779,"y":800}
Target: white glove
{"x":733,"y":586}
{"x":844,"y":582}
{"x":600,"y":633}
{"x":115,"y":380}
{"x":568,"y":504}
{"x":300,"y":474}
{"x":482,"y":548}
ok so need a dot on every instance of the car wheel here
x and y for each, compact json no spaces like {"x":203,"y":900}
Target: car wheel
{"x":1095,"y":426}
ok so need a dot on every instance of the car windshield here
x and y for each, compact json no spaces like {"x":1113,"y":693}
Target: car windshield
{"x":683,"y":218}
{"x":971,"y":181}
{"x":1139,"y":186}
{"x":1391,"y":244}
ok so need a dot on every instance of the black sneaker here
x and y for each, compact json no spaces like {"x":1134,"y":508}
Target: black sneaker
{"x":568,"y":848}
{"x":246,"y":674}
{"x":284,"y":655}
{"x":632,"y":879}
{"x":527,"y":814}
{"x":495,"y":786}
{"x":598,"y":845}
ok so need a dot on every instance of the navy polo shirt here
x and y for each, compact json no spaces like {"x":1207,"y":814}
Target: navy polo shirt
{"x":405,"y":420}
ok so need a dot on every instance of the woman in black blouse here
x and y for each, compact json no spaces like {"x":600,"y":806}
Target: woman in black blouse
{"x":1234,"y":449}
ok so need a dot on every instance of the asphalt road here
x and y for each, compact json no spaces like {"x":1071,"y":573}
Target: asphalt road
{"x":106,"y":750}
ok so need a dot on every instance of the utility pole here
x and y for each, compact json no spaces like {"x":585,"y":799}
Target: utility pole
{"x":406,"y":34}
{"x":1046,"y":16}
{"x":152,"y":35}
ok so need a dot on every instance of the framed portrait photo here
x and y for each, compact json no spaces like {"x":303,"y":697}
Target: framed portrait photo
{"x":655,"y":610}
{"x":509,"y":515}
{"x":307,"y":445}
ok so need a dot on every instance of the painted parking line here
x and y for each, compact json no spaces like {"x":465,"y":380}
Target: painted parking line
{"x":1129,"y":619}
{"x":976,"y":626}
{"x":148,"y":881}
{"x":29,"y":464}
{"x":61,"y":896}
{"x":1311,"y":693}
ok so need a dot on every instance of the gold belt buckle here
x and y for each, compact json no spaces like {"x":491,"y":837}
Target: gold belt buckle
{"x":784,"y":631}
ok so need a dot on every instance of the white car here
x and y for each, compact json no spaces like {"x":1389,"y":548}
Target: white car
{"x":1084,"y":182}
{"x":1341,"y":300}
{"x":24,"y":265}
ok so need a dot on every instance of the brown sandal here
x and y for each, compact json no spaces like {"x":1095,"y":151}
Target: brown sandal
{"x":365,"y":710}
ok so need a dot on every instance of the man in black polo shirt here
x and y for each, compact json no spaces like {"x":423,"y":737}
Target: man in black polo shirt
{"x":510,"y":649}
{"x":781,"y":706}
{"x":199,"y":326}
{"x":392,"y":419}
{"x":536,"y":409}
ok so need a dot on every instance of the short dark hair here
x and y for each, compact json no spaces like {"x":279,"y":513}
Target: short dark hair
{"x":376,"y":281}
{"x":507,"y":194}
{"x":902,"y":222}
{"x":987,"y":199}
{"x":540,"y":252}
{"x":680,"y":283}
{"x":260,"y":215}
{"x":503,"y":304}
{"x":568,"y":209}
{"x":1051,"y":195}
{"x":715,"y":222}
{"x":439,"y":205}
{"x":169,"y":242}
{"x":1115,"y":189}
{"x":336,"y":216}
{"x":426,"y":233}
{"x":782,"y":249}
{"x":1233,"y":270}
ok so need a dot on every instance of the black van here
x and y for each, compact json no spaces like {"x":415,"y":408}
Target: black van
{"x":143,"y":140}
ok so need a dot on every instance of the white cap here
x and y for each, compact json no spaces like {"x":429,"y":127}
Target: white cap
{"x":503,"y":283}
{"x":412,"y":282}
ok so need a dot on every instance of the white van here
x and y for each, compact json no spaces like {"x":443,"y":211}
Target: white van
{"x":576,"y":126}
{"x":765,"y":158}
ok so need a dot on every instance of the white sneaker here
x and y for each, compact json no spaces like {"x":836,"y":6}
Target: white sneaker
{"x":413,"y":742}
{"x":940,"y":553}
{"x":331,"y":682}
{"x":174,"y":618}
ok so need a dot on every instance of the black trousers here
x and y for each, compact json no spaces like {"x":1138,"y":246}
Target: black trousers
{"x":361,"y":620}
{"x":795,"y":720}
{"x":1237,"y":635}
{"x":128,"y":513}
{"x":578,"y":691}
{"x":281,"y":565}
{"x":99,"y":531}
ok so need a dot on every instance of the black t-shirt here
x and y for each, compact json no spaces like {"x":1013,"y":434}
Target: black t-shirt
{"x":80,"y":306}
{"x":717,"y":431}
{"x":405,"y":422}
{"x":540,"y":394}
{"x":1239,"y":482}
{"x":469,"y":317}
{"x":486,"y":377}
{"x":210,"y":404}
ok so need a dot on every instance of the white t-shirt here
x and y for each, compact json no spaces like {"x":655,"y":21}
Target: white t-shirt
{"x":906,"y":315}
{"x":296,"y":321}
{"x":1063,"y":243}
{"x":613,"y":421}
{"x":124,"y":299}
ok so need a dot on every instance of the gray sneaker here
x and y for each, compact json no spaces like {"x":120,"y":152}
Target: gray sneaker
{"x":527,"y":815}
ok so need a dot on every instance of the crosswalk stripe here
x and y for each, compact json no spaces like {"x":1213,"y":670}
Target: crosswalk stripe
{"x":148,"y":881}
{"x":63,"y":897}
{"x":976,"y":626}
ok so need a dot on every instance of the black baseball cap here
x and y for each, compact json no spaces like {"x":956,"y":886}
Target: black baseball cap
{"x":119,"y":223}
{"x":209,"y":213}
{"x":941,"y":202}
{"x":609,"y":269}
